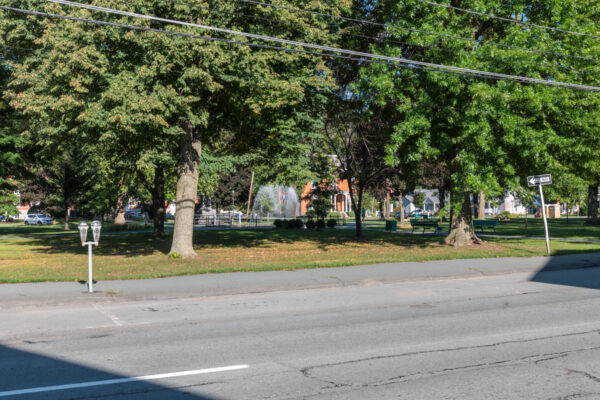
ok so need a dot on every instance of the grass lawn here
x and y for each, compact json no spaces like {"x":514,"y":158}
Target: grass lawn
{"x":575,"y":228}
{"x":143,"y":256}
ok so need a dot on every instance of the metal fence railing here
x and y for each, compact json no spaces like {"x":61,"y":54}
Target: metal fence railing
{"x":227,"y":220}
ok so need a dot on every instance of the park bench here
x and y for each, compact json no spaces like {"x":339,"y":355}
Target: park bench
{"x":485,"y":223}
{"x":425,"y":224}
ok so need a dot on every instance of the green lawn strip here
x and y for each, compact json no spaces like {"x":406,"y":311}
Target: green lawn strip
{"x":144,"y":256}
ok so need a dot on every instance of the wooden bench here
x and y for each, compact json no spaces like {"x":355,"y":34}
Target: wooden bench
{"x":425,"y":224}
{"x":485,"y":223}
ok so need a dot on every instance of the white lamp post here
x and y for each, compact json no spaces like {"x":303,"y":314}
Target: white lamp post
{"x":83,"y":230}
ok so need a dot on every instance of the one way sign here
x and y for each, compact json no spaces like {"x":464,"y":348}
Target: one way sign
{"x":536,"y":180}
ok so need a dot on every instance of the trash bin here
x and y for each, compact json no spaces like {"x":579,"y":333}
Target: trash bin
{"x":391,"y":225}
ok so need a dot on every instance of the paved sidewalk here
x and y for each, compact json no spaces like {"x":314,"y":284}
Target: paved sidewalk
{"x":32,"y":294}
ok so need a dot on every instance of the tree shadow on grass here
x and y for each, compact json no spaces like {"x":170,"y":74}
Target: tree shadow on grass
{"x":126,"y":245}
{"x":22,"y":370}
{"x":321,"y":239}
{"x":145,"y":244}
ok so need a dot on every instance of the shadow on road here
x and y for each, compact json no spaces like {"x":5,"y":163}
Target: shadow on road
{"x":21,"y":370}
{"x":584,"y":272}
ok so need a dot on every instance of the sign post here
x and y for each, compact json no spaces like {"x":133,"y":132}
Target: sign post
{"x":539,"y":180}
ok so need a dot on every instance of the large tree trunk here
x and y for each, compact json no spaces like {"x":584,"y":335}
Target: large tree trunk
{"x":356,"y":206}
{"x":121,"y":203}
{"x":158,"y":201}
{"x":592,"y":214}
{"x":190,"y":148}
{"x":481,"y":206}
{"x":461,"y":223}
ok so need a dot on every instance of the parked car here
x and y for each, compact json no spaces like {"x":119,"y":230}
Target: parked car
{"x":416,"y":212}
{"x":133,"y":213}
{"x":38,"y":219}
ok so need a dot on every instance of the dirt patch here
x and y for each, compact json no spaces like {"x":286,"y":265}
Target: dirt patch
{"x":485,"y":246}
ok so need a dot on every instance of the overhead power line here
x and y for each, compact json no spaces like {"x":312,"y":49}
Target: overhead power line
{"x":333,"y":49}
{"x":363,"y":21}
{"x":516,"y":21}
{"x":221,"y":40}
{"x":425,"y":32}
{"x":269,"y":47}
{"x":386,"y":38}
{"x":209,"y":38}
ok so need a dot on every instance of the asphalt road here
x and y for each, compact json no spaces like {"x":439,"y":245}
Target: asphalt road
{"x":480,"y":329}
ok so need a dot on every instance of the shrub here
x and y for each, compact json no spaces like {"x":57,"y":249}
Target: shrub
{"x":296,"y":224}
{"x":278,"y":223}
{"x":320,"y":224}
{"x":504,"y":216}
{"x":331,"y":223}
{"x":310,"y":224}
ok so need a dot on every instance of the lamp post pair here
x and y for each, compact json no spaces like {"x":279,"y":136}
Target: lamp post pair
{"x":83,"y":231}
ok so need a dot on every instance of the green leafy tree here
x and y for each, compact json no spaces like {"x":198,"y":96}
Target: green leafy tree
{"x":487,"y":135}
{"x":358,"y":141}
{"x":135,"y":91}
{"x":8,"y":204}
{"x":419,"y":199}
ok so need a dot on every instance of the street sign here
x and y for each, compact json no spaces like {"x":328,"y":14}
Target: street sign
{"x":536,"y":180}
{"x":539,"y":181}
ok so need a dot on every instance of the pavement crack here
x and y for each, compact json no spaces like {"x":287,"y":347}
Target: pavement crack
{"x":582,"y":395}
{"x":552,"y":357}
{"x":453,"y":349}
{"x":585,"y":374}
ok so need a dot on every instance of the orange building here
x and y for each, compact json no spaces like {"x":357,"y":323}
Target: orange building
{"x":339,"y":202}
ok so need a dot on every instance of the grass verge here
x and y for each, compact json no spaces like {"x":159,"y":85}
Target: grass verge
{"x":143,"y":256}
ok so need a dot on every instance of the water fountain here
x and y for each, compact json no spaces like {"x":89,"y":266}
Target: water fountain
{"x":275,"y":201}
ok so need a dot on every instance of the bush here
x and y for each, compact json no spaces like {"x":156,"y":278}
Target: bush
{"x":320,"y":224}
{"x":310,"y":224}
{"x":278,"y":223}
{"x":295,"y":224}
{"x":331,"y":223}
{"x":504,"y":216}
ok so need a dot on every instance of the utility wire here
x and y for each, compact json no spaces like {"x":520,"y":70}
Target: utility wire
{"x":255,"y":45}
{"x":516,"y":21}
{"x":512,"y":47}
{"x":364,"y":21}
{"x":381,"y":39}
{"x":262,"y":46}
{"x":334,"y":49}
